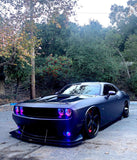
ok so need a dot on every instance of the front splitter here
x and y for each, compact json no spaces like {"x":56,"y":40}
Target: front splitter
{"x":49,"y":141}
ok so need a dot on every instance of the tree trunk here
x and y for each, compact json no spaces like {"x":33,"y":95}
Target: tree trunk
{"x":124,"y":62}
{"x":16,"y":88}
{"x":2,"y":87}
{"x":33,"y":94}
{"x":2,"y":82}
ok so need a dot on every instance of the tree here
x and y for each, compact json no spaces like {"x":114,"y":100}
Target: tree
{"x":92,"y":60}
{"x":13,"y":46}
{"x":32,"y":10}
{"x":114,"y":41}
{"x":2,"y":80}
{"x":54,"y":73}
{"x":54,"y":36}
{"x":120,"y":14}
{"x":132,"y":7}
{"x":130,"y":52}
{"x":125,"y":20}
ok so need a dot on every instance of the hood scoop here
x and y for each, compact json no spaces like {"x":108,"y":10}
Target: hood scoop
{"x":67,"y":98}
{"x":63,"y":96}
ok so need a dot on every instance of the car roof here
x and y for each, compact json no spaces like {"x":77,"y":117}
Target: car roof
{"x":102,"y":83}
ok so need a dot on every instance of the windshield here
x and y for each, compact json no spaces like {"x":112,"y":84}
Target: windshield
{"x":83,"y":89}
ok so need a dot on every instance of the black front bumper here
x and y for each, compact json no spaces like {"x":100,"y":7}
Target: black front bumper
{"x":46,"y":140}
{"x":47,"y":131}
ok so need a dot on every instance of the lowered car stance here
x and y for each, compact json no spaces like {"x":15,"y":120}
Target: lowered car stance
{"x":77,"y":111}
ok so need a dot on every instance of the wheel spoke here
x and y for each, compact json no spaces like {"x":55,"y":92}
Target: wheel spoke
{"x":94,"y":125}
{"x":92,"y":114}
{"x":95,"y":117}
{"x":90,"y":123}
{"x":89,"y":116}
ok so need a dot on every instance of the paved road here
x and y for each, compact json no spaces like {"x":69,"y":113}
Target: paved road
{"x":118,"y":141}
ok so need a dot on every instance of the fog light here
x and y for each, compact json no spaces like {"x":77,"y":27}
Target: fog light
{"x":67,"y":134}
{"x":19,"y":132}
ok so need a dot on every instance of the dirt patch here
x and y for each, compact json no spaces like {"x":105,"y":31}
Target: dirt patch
{"x":18,"y":151}
{"x":17,"y":158}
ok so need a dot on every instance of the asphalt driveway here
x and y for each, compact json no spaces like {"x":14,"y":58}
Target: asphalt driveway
{"x":118,"y":141}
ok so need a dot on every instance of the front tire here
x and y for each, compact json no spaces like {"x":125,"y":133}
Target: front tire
{"x":92,"y":121}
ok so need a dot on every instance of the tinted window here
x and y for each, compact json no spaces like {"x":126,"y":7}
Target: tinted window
{"x":108,"y":88}
{"x":83,"y":89}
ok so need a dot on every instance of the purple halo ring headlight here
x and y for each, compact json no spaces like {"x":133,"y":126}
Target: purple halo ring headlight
{"x":17,"y":110}
{"x":21,"y":110}
{"x":61,"y":112}
{"x":68,"y":112}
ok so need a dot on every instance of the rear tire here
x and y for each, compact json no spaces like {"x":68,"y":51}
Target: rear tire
{"x":92,"y":120}
{"x":126,"y":110}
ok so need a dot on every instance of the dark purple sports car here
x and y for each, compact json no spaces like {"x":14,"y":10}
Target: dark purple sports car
{"x":77,"y":111}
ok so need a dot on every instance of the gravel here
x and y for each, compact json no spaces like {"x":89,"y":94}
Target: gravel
{"x":118,"y":141}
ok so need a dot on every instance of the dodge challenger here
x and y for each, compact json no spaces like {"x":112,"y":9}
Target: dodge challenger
{"x":77,"y":111}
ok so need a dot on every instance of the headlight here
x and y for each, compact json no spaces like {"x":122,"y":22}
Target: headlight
{"x":21,"y":110}
{"x":68,"y":112}
{"x":61,"y":112}
{"x":64,"y":113}
{"x":18,"y":110}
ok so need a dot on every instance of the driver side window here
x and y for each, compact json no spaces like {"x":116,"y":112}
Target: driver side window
{"x":108,"y":88}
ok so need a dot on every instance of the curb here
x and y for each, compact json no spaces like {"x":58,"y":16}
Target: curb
{"x":9,"y":104}
{"x":5,"y":105}
{"x":133,"y":102}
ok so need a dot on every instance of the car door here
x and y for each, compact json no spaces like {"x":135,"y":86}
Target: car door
{"x":111,"y":103}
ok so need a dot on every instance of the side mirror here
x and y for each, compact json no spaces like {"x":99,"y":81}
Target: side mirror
{"x":111,"y":93}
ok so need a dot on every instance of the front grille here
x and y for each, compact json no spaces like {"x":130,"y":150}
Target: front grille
{"x":40,"y":112}
{"x":36,"y":130}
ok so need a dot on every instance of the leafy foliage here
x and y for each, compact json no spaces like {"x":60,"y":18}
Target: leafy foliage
{"x":92,"y":60}
{"x":131,"y":48}
{"x":12,"y":45}
{"x":54,"y":36}
{"x":126,"y":26}
{"x":55,"y":71}
{"x":30,"y":11}
{"x":65,"y":52}
{"x":57,"y":66}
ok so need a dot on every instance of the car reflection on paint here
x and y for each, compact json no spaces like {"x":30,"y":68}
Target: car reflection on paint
{"x":75,"y":112}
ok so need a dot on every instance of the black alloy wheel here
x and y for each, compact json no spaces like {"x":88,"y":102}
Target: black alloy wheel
{"x":92,"y":123}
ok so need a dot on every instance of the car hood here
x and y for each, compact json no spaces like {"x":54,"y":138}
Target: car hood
{"x":58,"y":99}
{"x":61,"y":101}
